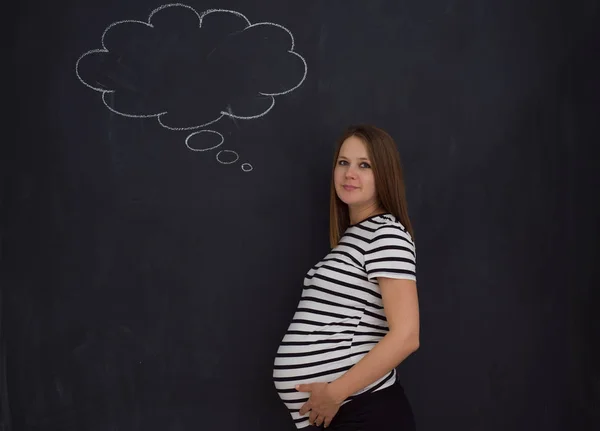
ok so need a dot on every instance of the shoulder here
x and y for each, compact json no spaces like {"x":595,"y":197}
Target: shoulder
{"x":391,"y":253}
{"x":388,"y":228}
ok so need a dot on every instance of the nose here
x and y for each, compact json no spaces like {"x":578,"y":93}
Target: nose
{"x":350,"y":172}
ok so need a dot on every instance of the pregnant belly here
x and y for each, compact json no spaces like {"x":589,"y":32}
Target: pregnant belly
{"x":319,"y":361}
{"x":308,"y":359}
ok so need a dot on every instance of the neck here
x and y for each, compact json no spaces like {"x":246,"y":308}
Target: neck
{"x":359,"y":214}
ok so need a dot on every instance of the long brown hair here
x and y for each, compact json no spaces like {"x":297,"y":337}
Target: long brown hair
{"x":389,"y":180}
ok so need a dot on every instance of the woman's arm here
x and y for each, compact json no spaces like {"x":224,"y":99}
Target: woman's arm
{"x":401,"y":307}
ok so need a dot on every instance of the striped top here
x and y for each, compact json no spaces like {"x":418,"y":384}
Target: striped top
{"x":340,"y":316}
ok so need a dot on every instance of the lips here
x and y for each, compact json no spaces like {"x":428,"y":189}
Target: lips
{"x":349,"y":188}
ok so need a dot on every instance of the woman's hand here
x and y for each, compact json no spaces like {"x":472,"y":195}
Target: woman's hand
{"x":322,"y":403}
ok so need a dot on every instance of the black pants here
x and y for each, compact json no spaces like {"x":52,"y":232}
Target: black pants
{"x":385,"y":410}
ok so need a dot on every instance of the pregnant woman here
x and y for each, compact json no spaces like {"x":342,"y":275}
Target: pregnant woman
{"x":358,"y":316}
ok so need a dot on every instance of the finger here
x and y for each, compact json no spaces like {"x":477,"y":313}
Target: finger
{"x":313,"y":417}
{"x":327,"y":421}
{"x":319,"y":420}
{"x":304,"y":387}
{"x":305,"y":408}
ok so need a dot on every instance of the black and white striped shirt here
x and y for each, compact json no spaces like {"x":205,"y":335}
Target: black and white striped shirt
{"x":340,"y":316}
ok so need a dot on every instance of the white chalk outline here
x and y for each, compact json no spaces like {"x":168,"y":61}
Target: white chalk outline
{"x":200,"y":19}
{"x":237,"y":156}
{"x":204,"y":131}
{"x":246,"y":167}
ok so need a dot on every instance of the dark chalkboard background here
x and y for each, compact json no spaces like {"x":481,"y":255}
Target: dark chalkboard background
{"x":145,"y":286}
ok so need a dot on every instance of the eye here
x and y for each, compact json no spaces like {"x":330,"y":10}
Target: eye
{"x":365,"y":165}
{"x":342,"y":162}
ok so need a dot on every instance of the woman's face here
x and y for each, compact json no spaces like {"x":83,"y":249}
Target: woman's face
{"x":353,"y":175}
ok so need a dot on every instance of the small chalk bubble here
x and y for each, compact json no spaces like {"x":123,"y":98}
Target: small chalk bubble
{"x":204,"y":140}
{"x":231,"y":153}
{"x":247,"y":167}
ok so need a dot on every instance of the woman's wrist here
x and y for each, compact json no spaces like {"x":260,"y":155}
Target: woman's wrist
{"x":337,"y":391}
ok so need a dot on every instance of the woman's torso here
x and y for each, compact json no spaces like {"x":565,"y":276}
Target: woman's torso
{"x":339,"y":318}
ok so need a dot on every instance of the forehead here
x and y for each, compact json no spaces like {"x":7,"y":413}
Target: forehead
{"x":354,"y":147}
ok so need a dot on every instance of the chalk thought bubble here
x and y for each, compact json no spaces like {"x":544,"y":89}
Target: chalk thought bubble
{"x":189,"y":70}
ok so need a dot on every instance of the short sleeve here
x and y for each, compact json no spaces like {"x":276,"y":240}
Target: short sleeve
{"x":391,"y":253}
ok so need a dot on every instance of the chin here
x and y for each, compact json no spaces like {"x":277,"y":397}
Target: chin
{"x":346,"y":199}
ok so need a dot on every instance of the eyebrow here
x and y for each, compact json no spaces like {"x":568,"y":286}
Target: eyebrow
{"x":360,"y":158}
